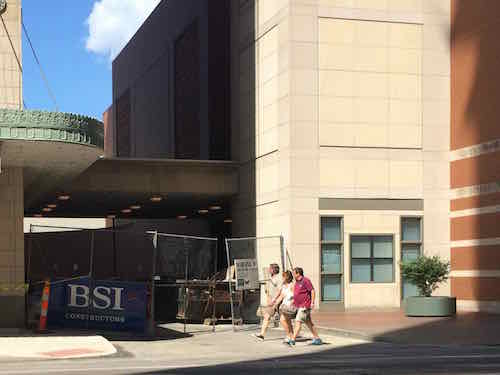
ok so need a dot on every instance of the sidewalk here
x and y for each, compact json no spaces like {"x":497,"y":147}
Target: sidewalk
{"x":394,"y":326}
{"x":21,"y":344}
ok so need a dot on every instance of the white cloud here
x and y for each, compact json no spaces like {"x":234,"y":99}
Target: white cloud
{"x":113,"y":22}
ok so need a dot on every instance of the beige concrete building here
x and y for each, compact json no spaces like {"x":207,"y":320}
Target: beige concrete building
{"x":341,"y":122}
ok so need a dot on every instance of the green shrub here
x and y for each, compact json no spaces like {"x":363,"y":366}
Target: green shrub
{"x":426,"y":273}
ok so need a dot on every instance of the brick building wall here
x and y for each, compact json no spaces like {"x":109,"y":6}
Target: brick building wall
{"x":475,"y":146}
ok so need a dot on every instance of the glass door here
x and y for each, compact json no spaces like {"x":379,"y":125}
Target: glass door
{"x":411,"y":249}
{"x":331,"y":259}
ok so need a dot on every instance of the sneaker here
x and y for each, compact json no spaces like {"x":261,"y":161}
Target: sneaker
{"x":316,"y":342}
{"x":258,"y":336}
{"x":289,"y":342}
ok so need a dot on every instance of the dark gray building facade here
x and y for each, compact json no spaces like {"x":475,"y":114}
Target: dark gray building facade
{"x":171,"y":84}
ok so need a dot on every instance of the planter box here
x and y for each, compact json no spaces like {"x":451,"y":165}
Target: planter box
{"x":430,"y":306}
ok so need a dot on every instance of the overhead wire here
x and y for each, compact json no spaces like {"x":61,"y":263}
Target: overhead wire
{"x":42,"y":73}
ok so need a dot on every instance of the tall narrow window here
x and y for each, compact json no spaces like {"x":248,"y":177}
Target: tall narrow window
{"x":372,"y":259}
{"x":123,"y":125}
{"x":411,"y":248}
{"x":187,"y":94}
{"x":331,"y":258}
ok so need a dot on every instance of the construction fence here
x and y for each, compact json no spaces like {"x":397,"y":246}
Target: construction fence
{"x":161,"y":277}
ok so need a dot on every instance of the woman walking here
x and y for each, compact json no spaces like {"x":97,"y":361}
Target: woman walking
{"x":287,"y":309}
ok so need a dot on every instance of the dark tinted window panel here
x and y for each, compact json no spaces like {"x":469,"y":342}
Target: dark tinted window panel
{"x":187,"y":94}
{"x":123,"y":125}
{"x":219,"y":80}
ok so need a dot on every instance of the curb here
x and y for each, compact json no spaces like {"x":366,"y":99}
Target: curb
{"x":349,"y":334}
{"x":55,"y":347}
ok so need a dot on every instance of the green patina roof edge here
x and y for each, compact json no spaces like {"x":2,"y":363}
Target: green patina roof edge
{"x":35,"y":125}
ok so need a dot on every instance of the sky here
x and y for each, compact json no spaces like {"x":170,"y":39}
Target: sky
{"x":76,"y":41}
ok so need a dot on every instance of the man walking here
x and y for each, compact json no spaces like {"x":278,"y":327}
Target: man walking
{"x":304,"y":296}
{"x":273,"y":288}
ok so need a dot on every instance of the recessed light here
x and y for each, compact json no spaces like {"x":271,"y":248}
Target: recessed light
{"x":182,"y":217}
{"x":47,"y":209}
{"x":63,"y":197}
{"x":52,"y":205}
{"x":135,"y":207}
{"x":203,"y":212}
{"x":127,"y":211}
{"x":215,"y":208}
{"x":156,"y":198}
{"x":228,"y":221}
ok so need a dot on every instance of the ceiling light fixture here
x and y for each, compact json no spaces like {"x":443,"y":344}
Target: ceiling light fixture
{"x":47,"y":209}
{"x":52,"y":205}
{"x":63,"y":197}
{"x":156,"y":198}
{"x":182,"y":217}
{"x":135,"y":207}
{"x":228,"y":221}
{"x":203,"y":212}
{"x":38,"y":215}
{"x":126,"y":211}
{"x":216,"y":208}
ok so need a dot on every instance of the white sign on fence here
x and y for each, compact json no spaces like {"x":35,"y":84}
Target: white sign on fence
{"x":247,"y":274}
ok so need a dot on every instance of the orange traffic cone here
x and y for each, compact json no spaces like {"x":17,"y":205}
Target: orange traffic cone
{"x":45,"y":307}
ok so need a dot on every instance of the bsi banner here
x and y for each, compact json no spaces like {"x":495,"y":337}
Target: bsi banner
{"x":102,"y":305}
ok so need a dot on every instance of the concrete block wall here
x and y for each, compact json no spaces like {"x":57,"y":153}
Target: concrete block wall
{"x":11,"y":248}
{"x":11,"y":79}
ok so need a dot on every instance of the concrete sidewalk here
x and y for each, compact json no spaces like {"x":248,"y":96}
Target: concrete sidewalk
{"x":393,"y":326}
{"x":54,"y":347}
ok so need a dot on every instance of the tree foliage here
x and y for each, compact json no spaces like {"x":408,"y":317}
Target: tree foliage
{"x":426,"y":273}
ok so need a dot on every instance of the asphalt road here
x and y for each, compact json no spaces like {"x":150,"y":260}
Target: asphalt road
{"x":230,"y":353}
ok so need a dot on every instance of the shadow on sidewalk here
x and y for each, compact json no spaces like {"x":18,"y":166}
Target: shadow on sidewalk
{"x":395,"y":327}
{"x":161,"y":333}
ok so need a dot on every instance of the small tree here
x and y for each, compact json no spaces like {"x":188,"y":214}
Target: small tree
{"x":426,"y":273}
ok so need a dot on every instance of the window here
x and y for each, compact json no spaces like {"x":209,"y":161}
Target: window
{"x":411,"y":248}
{"x":331,"y":258}
{"x":372,"y":259}
{"x":122,"y":106}
{"x":187,"y":85}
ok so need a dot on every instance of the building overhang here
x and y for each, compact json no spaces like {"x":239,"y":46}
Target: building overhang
{"x":157,"y":188}
{"x":51,"y":147}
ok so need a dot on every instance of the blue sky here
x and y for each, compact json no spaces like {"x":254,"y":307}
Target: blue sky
{"x":75,"y":56}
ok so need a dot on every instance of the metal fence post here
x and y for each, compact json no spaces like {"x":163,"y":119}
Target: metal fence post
{"x":283,"y":253}
{"x":186,"y":289}
{"x":115,"y":268}
{"x":91,"y":276}
{"x":153,"y":277}
{"x":214,"y":290}
{"x":230,"y":281}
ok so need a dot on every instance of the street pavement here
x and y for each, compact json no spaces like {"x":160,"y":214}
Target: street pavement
{"x":227,"y":352}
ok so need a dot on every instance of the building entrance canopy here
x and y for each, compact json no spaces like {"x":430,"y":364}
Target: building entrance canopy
{"x":142,"y":188}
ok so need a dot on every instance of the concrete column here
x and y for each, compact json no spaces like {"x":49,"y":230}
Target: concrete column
{"x":12,"y":292}
{"x":302,"y":153}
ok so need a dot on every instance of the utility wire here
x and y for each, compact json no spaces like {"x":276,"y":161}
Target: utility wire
{"x":42,"y":73}
{"x":12,"y":45}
